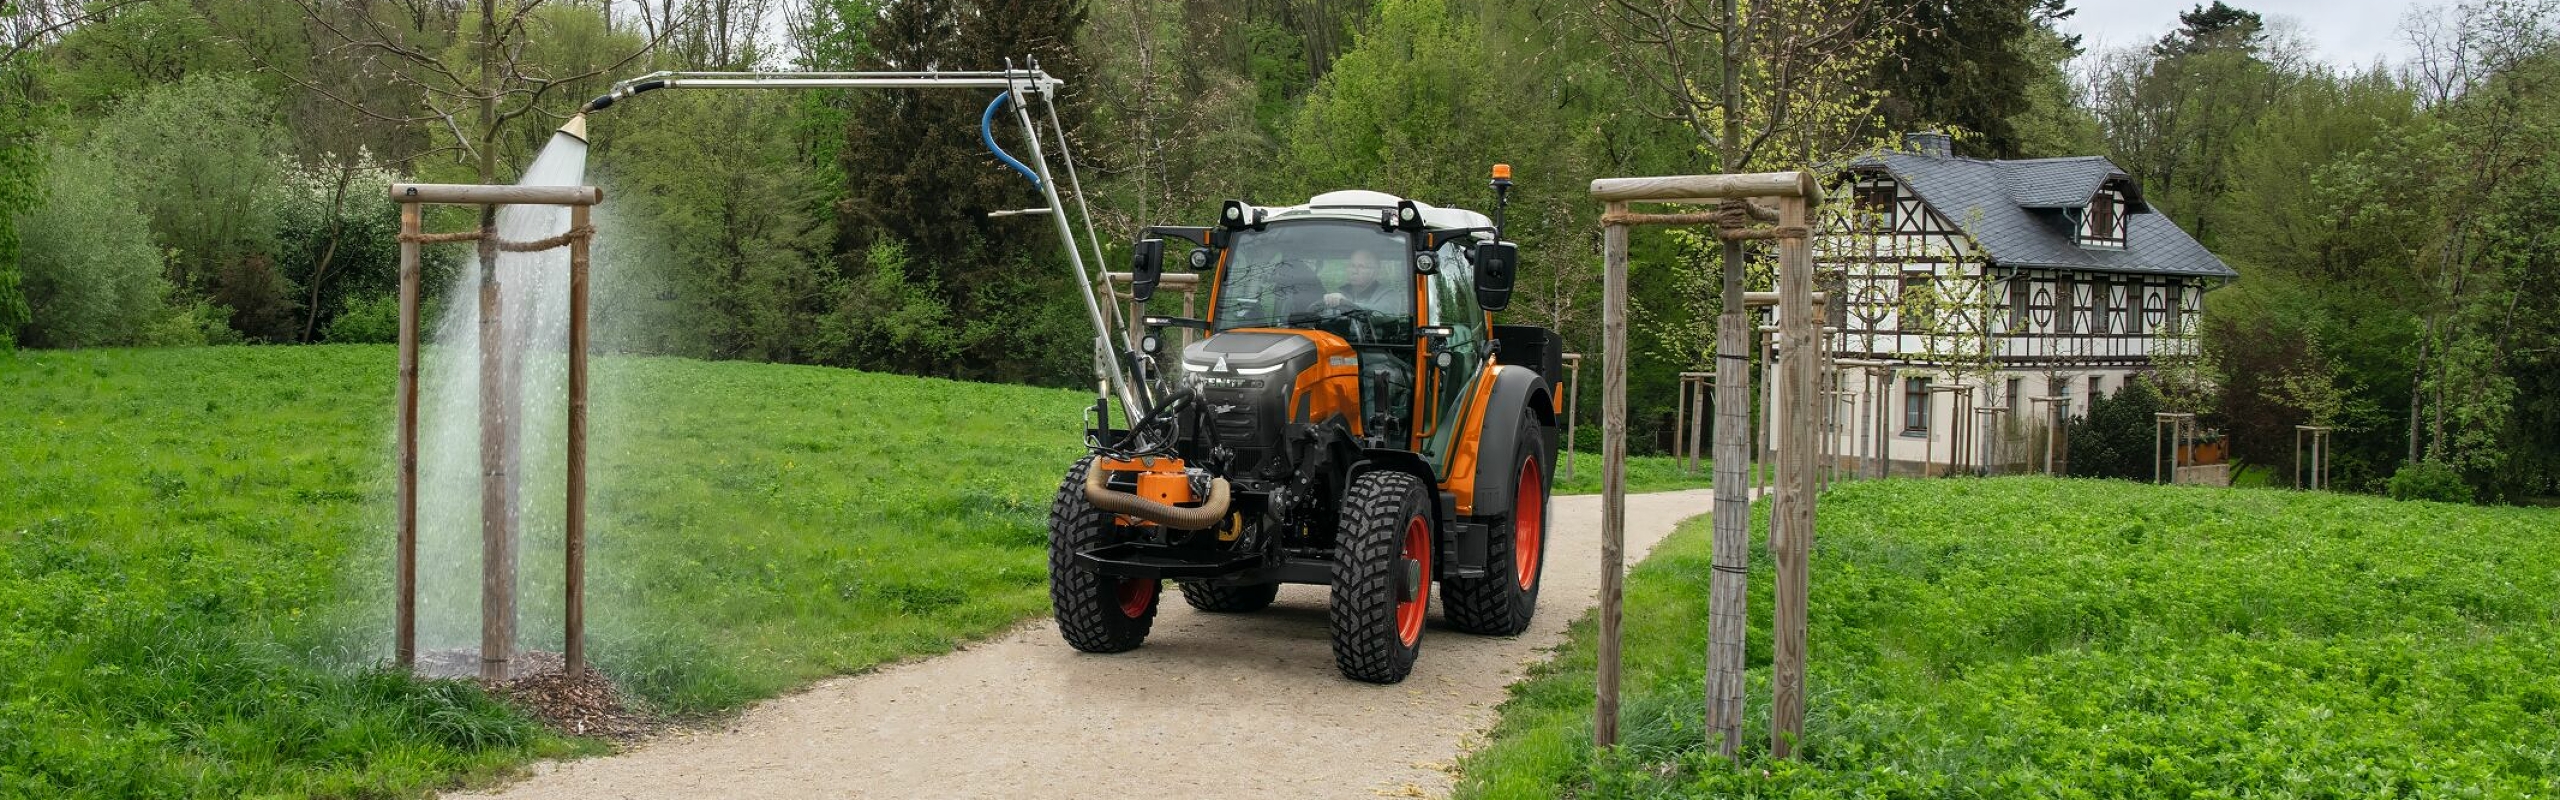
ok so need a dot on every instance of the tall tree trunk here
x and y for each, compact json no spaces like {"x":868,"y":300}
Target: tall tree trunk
{"x":1729,"y":585}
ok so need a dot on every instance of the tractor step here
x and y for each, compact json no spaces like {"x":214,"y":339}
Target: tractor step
{"x":1144,"y":561}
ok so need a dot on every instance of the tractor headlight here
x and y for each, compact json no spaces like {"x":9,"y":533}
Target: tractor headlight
{"x":1425,"y":263}
{"x":1199,"y":259}
{"x":1150,"y":345}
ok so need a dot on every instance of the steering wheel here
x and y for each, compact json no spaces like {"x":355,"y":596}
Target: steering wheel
{"x":1352,"y":323}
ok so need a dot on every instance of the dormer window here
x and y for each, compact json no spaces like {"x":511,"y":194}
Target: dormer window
{"x":2102,"y":225}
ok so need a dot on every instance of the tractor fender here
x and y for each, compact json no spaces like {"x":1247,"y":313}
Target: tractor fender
{"x":1373,"y":459}
{"x":1516,"y":392}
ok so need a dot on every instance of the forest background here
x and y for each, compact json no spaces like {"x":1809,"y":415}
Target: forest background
{"x":189,"y":172}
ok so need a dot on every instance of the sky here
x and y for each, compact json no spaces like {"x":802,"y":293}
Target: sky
{"x":2346,"y":33}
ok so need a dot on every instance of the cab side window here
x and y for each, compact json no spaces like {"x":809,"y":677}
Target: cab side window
{"x":1453,"y":303}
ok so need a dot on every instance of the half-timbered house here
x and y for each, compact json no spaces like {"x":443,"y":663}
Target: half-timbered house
{"x":1975,"y":299}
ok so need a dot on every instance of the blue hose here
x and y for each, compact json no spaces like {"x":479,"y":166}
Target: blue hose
{"x":987,"y":133}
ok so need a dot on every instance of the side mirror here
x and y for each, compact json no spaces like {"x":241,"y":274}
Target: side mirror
{"x":1145,"y":268}
{"x":1497,"y":266}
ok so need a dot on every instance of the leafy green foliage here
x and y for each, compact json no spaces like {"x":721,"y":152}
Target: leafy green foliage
{"x":2116,"y":438}
{"x":366,"y":320}
{"x":336,"y":238}
{"x":202,"y":157}
{"x":2039,"y":637}
{"x":727,"y":220}
{"x":87,"y":257}
{"x":2427,"y":480}
{"x":1969,"y":65}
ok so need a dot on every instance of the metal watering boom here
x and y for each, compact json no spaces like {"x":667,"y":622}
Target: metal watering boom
{"x":1112,"y":367}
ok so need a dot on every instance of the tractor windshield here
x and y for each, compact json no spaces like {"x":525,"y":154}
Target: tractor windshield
{"x":1349,"y":278}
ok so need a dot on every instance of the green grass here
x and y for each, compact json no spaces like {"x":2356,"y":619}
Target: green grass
{"x":194,"y":552}
{"x":2028,"y":637}
{"x":193,"y":557}
{"x":1644,"y":474}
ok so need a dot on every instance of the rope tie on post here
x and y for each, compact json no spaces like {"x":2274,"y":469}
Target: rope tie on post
{"x":441,"y":238}
{"x":1735,"y":220}
{"x":536,"y":245}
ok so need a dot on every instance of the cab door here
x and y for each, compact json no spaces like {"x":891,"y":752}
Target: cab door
{"x":1451,"y":303}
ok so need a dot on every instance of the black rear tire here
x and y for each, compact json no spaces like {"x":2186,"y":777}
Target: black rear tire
{"x":1386,"y":523}
{"x":1096,"y":613}
{"x":1503,"y":601}
{"x":1230,"y":599}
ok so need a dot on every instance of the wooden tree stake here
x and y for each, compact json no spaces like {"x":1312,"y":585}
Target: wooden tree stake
{"x":1613,"y":479}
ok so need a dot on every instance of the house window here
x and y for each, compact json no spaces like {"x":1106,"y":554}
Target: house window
{"x":2016,"y":403}
{"x":2177,"y":304}
{"x":2095,"y":387}
{"x":1878,"y":199}
{"x":2060,"y":388}
{"x":2017,"y":302}
{"x":2065,"y":305}
{"x":1915,"y":405}
{"x":2102,"y":218}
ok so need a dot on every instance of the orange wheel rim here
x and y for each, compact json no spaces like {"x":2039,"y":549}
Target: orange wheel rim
{"x":1136,"y":596}
{"x":1528,"y":523}
{"x":1417,"y":548}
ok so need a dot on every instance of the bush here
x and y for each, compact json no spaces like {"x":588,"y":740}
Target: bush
{"x":92,"y":276}
{"x":366,"y":320}
{"x":2428,"y":480}
{"x":195,"y":324}
{"x":2116,"y":438}
{"x":211,"y":150}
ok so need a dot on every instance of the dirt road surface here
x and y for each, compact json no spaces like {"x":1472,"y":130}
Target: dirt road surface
{"x":1214,"y":705}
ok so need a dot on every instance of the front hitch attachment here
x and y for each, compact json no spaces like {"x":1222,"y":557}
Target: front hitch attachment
{"x":1184,"y":518}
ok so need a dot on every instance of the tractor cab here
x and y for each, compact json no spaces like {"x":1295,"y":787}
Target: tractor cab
{"x":1380,"y":289}
{"x":1351,"y":417}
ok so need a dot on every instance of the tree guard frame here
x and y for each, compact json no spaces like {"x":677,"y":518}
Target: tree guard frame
{"x":497,"y":599}
{"x":1792,"y":511}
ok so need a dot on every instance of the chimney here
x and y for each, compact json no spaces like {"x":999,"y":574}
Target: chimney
{"x":1929,"y":143}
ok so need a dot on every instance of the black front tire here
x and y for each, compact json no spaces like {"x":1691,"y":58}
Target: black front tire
{"x":1502,"y":602}
{"x":1385,"y":539}
{"x":1096,"y":613}
{"x":1230,"y":599}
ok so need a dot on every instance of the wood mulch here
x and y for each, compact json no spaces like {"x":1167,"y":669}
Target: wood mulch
{"x":586,"y":704}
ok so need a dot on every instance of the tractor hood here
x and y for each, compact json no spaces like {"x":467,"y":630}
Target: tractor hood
{"x":1247,"y":354}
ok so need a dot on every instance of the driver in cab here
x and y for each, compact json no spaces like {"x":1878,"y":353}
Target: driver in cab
{"x":1362,"y":290}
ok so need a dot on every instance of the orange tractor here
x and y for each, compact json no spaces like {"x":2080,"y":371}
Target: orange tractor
{"x":1351,"y":417}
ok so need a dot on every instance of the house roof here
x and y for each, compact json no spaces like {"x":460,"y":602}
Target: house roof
{"x":2014,"y":211}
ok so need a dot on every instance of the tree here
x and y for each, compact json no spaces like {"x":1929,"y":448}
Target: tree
{"x":1970,"y":66}
{"x":203,"y":158}
{"x":92,"y":274}
{"x":18,"y":171}
{"x":337,"y":236}
{"x":716,"y":181}
{"x":1793,"y":97}
{"x":918,"y":177}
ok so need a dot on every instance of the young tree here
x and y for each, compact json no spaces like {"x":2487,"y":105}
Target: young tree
{"x":1789,"y":92}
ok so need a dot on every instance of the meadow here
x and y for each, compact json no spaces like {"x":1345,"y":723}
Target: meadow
{"x":194,"y":557}
{"x":2031,"y":637}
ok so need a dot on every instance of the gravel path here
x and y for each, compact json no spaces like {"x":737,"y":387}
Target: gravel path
{"x":1212,"y":706}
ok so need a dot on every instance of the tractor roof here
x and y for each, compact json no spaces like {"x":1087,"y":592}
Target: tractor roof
{"x":1364,"y":205}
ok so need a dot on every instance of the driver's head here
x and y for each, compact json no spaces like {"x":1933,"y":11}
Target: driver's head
{"x":1364,"y":268}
